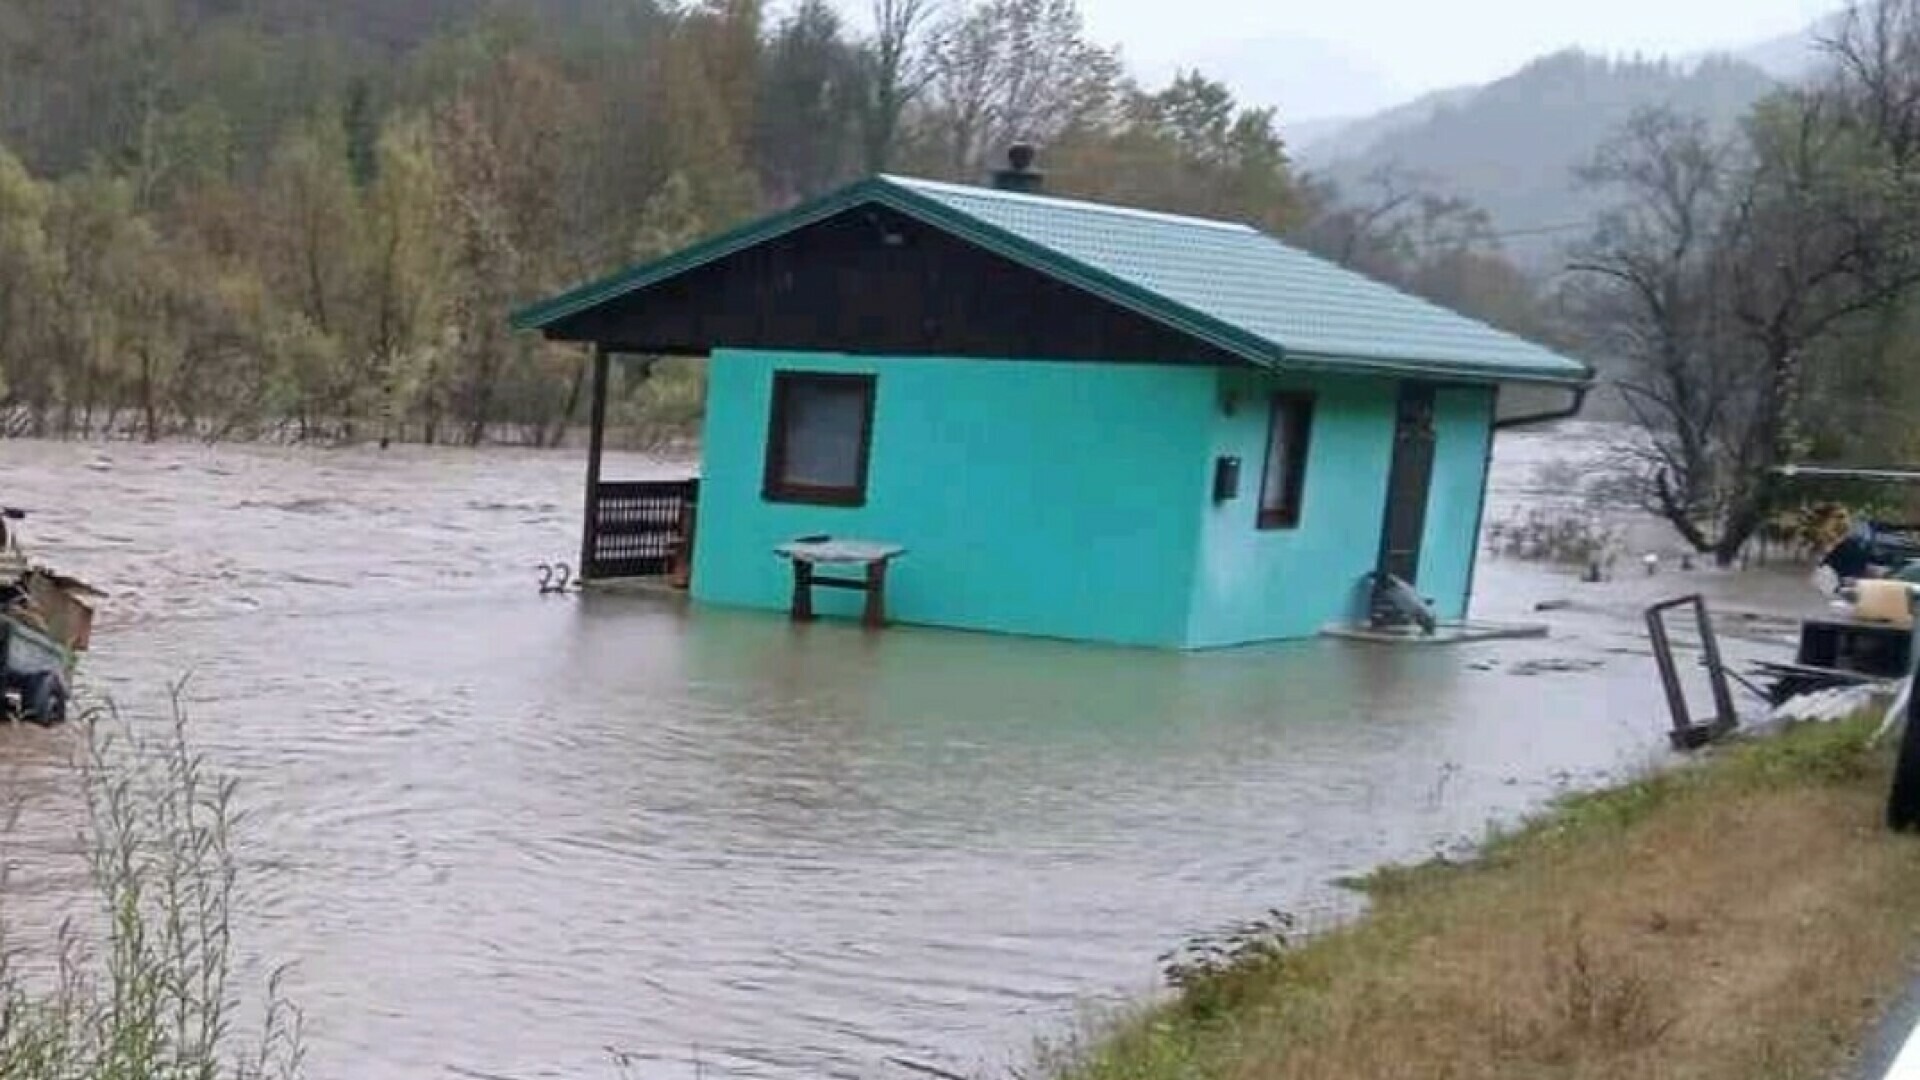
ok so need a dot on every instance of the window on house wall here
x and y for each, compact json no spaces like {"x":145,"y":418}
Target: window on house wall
{"x":819,"y":437}
{"x":1285,"y":478}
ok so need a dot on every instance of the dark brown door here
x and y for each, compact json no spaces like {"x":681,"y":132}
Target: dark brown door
{"x":1408,"y":483}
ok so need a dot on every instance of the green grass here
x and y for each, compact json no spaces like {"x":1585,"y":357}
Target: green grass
{"x":1736,"y":917}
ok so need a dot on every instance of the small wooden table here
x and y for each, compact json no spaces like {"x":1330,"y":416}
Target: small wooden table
{"x":870,"y":555}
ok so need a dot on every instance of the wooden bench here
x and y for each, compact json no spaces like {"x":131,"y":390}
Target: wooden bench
{"x":872,"y":557}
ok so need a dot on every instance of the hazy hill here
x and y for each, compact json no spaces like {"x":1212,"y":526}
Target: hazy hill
{"x":1794,"y":56}
{"x":1321,"y":142}
{"x":1512,"y":146}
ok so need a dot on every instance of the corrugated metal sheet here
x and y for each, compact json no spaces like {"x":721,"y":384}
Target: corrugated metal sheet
{"x":1229,"y":284}
{"x":1303,"y":305}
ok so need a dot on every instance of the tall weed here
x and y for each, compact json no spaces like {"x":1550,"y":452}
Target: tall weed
{"x":138,"y":983}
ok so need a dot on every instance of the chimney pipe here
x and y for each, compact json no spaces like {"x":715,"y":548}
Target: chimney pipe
{"x":1019,"y":175}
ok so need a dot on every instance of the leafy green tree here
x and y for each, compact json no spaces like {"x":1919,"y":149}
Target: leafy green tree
{"x":26,"y":269}
{"x":1189,"y":148}
{"x":362,"y":128}
{"x":404,"y":303}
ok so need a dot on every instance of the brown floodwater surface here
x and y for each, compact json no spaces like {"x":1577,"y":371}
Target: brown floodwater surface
{"x":498,"y":833}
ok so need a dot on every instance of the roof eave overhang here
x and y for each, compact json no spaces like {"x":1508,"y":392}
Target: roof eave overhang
{"x":1255,"y":350}
{"x":546,"y":317}
{"x":1438,"y":370}
{"x":548,"y":314}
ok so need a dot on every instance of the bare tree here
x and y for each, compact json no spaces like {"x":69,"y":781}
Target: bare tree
{"x":1726,"y":272}
{"x":965,"y":79}
{"x":897,"y":74}
{"x":1014,"y":70}
{"x":1649,"y":299}
{"x":1398,"y":226}
{"x":1876,"y":73}
{"x":1390,"y":221}
{"x":1348,"y":228}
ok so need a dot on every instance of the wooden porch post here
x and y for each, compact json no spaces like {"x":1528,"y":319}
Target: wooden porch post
{"x":596,"y":439}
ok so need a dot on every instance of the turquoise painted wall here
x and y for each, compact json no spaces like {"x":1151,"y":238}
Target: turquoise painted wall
{"x":1258,"y":585}
{"x":1463,"y":430}
{"x":1075,"y":500}
{"x":1059,"y":499}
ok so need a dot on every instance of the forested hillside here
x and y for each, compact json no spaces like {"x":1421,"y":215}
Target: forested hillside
{"x":1513,"y":146}
{"x":310,"y":218}
{"x":306,"y":218}
{"x":296,"y":219}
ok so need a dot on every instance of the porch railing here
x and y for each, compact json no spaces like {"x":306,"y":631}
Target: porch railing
{"x":640,"y":529}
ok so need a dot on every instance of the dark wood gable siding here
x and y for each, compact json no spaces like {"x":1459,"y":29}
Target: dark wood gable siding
{"x":872,"y":280}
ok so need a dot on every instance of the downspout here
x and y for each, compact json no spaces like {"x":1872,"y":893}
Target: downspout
{"x":1527,"y":420}
{"x":1486,"y":468}
{"x":1480,"y":513}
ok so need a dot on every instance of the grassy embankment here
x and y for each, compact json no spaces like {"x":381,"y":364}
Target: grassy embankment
{"x":1743,"y":917}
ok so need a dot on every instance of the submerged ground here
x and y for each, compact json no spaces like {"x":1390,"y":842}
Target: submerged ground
{"x":500,"y":833}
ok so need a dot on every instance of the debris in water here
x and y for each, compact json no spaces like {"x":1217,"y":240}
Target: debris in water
{"x":46,"y":619}
{"x":1555,"y":666}
{"x":1824,"y":706}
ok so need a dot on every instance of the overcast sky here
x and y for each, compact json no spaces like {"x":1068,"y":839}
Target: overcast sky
{"x":1335,"y":57}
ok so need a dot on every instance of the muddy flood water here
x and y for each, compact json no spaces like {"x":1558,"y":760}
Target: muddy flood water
{"x":499,"y":833}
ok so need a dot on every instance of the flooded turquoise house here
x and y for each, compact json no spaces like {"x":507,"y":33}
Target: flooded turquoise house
{"x":1080,"y":421}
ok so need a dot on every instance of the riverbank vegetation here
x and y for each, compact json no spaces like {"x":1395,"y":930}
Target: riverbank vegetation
{"x":1761,"y":286}
{"x":310,"y":219}
{"x":1742,"y":917}
{"x":135,"y":976}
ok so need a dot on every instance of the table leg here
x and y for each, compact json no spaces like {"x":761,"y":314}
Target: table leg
{"x":875,"y":615}
{"x":802,"y":610}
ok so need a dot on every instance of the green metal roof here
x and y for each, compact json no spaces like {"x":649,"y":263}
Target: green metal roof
{"x":1228,"y":284}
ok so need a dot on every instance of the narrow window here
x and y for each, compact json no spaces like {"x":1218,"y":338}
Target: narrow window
{"x":818,"y":438}
{"x":1286,"y":474}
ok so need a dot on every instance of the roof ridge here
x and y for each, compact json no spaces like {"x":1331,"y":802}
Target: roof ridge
{"x":1063,"y":202}
{"x":1236,"y":287}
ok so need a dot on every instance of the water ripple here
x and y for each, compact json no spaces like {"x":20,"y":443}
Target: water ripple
{"x":500,"y":833}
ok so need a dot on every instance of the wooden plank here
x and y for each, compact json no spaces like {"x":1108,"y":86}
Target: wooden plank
{"x":596,"y":442}
{"x":849,"y":584}
{"x":1724,"y":712}
{"x":1773,"y":667}
{"x":802,"y":609}
{"x":1669,"y":671}
{"x":840,"y":551}
{"x":617,"y":527}
{"x":874,"y":615}
{"x":873,"y":280}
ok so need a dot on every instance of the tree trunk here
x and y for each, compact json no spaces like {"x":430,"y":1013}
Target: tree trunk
{"x":147,"y":404}
{"x":573,"y":404}
{"x":1677,"y":513}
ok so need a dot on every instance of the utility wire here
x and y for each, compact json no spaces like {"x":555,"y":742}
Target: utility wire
{"x":1468,"y":240}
